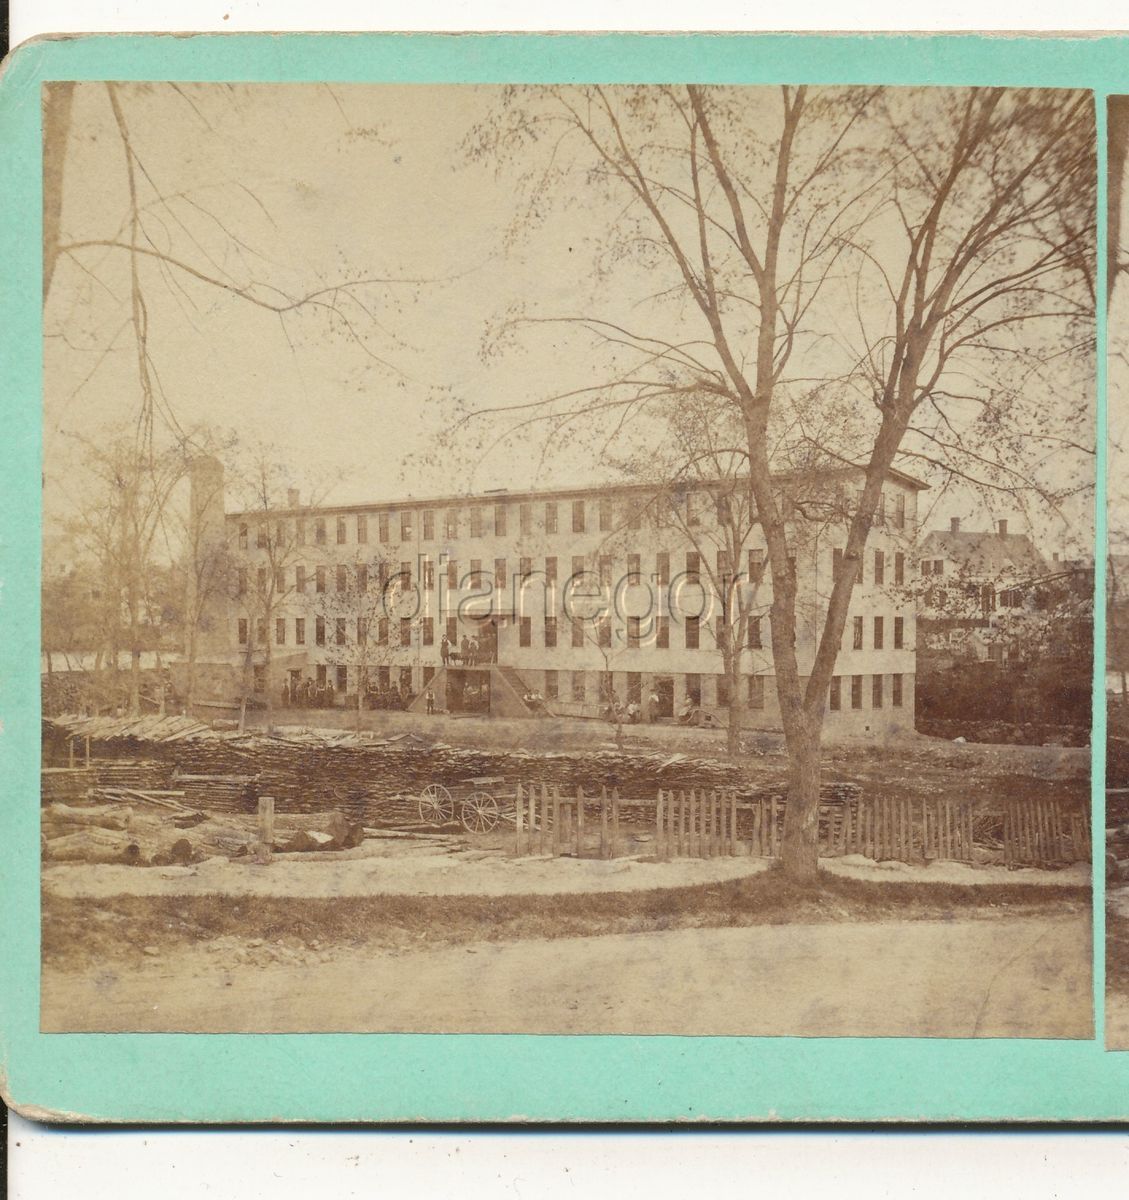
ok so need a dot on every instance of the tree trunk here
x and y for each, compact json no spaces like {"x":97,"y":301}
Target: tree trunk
{"x":736,"y":706}
{"x":57,"y":103}
{"x":800,"y":846}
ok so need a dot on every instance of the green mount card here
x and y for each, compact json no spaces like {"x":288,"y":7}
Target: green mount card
{"x":563,"y":578}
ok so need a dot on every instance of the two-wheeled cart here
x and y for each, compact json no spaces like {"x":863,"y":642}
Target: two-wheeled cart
{"x":478,"y":803}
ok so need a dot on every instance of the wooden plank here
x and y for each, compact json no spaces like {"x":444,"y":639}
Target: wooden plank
{"x":615,"y":822}
{"x":266,"y":829}
{"x":734,"y":840}
{"x":692,"y":844}
{"x":556,"y":842}
{"x":519,"y":804}
{"x":603,"y":822}
{"x":543,"y":848}
{"x":579,"y":843}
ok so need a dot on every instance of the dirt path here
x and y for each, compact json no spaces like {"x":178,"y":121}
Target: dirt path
{"x":986,"y":978}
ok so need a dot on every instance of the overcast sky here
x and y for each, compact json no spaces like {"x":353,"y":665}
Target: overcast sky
{"x":295,"y":188}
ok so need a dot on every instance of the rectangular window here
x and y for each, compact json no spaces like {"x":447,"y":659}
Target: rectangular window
{"x":342,"y":577}
{"x":756,"y":691}
{"x":243,"y":631}
{"x":299,"y":578}
{"x":362,"y":631}
{"x":280,"y":631}
{"x":550,"y":631}
{"x":551,"y":517}
{"x":383,"y":677}
{"x":453,"y":631}
{"x":259,"y":674}
{"x":693,"y":632}
{"x":578,"y":569}
{"x":721,"y":683}
{"x":693,"y":509}
{"x":896,"y":691}
{"x":754,"y":639}
{"x":261,"y":580}
{"x":475,"y":580}
{"x":899,"y":569}
{"x":241,"y":581}
{"x":551,"y":569}
{"x":428,"y":568}
{"x":321,"y":675}
{"x":476,"y":522}
{"x":879,"y":568}
{"x":938,"y":566}
{"x":604,"y":632}
{"x":342,"y":679}
{"x":693,"y":565}
{"x":428,"y":524}
{"x":662,"y":568}
{"x":362,"y":577}
{"x":856,"y":640}
{"x":756,"y":565}
{"x":525,"y":632}
{"x":899,"y":632}
{"x":452,"y":575}
{"x":319,"y":631}
{"x":605,"y":514}
{"x":339,"y":631}
{"x":261,"y":535}
{"x":876,"y":691}
{"x":405,"y":574}
{"x":341,"y":534}
{"x":499,"y":520}
{"x":879,"y":632}
{"x":578,"y":516}
{"x":900,"y":510}
{"x":634,"y":569}
{"x":427,"y":631}
{"x":300,"y":531}
{"x":880,"y":511}
{"x":577,"y":633}
{"x":279,"y":581}
{"x":500,"y":574}
{"x":299,"y":631}
{"x":525,"y":566}
{"x":525,"y":519}
{"x":578,"y":687}
{"x":694,"y":688}
{"x":835,"y":696}
{"x":362,"y":529}
{"x":243,"y":536}
{"x":451,"y":523}
{"x":724,"y":570}
{"x":662,"y":633}
{"x":382,"y":631}
{"x":319,"y":531}
{"x":605,"y":565}
{"x":634,"y":687}
{"x":428,"y":675}
{"x":856,"y":691}
{"x":633,"y":629}
{"x":319,"y":584}
{"x":405,"y":631}
{"x":551,"y":685}
{"x":261,"y":631}
{"x":382,"y":524}
{"x":926,"y":567}
{"x":279,"y":534}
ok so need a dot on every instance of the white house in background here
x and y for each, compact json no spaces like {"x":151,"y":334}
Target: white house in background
{"x":977,"y":586}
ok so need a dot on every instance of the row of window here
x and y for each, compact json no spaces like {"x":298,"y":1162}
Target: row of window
{"x":598,"y":514}
{"x":856,"y":687}
{"x":340,"y":631}
{"x":878,"y":633}
{"x":878,"y":568}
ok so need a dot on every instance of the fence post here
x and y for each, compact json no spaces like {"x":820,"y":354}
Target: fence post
{"x":579,"y":821}
{"x":603,"y":822}
{"x":660,"y":831}
{"x":615,"y":822}
{"x":681,"y":844}
{"x":556,"y":842}
{"x":734,"y":845}
{"x":531,"y":817}
{"x":70,"y":752}
{"x":88,"y":752}
{"x":517,"y":820}
{"x":266,"y":829}
{"x":544,"y":847}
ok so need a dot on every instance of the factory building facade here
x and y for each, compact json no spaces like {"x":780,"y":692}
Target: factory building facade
{"x":561,"y":602}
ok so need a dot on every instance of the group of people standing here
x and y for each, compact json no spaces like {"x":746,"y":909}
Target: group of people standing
{"x":307,"y":693}
{"x":471,"y":651}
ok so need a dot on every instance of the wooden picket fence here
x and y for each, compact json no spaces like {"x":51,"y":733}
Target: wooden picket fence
{"x":701,"y":823}
{"x":1039,"y":834}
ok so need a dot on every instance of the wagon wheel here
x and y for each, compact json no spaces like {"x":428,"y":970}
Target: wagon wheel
{"x":436,"y":806}
{"x":479,"y":812}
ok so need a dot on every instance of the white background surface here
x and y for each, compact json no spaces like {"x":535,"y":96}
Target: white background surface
{"x":46,"y":1164}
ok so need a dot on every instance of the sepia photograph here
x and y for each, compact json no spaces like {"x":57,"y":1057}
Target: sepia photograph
{"x":1117,"y":583}
{"x":574,"y":560}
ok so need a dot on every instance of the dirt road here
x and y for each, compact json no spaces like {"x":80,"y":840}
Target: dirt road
{"x":959,"y":978}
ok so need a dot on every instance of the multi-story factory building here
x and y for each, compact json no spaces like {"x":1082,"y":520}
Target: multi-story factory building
{"x":572,"y":596}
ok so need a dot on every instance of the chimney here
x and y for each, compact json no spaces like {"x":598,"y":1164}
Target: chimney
{"x":291,"y":497}
{"x":1001,"y":527}
{"x":954,"y":524}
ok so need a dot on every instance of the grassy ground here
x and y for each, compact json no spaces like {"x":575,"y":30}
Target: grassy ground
{"x":84,"y":932}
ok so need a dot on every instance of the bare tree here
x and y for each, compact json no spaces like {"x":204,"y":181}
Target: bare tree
{"x":959,"y":223}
